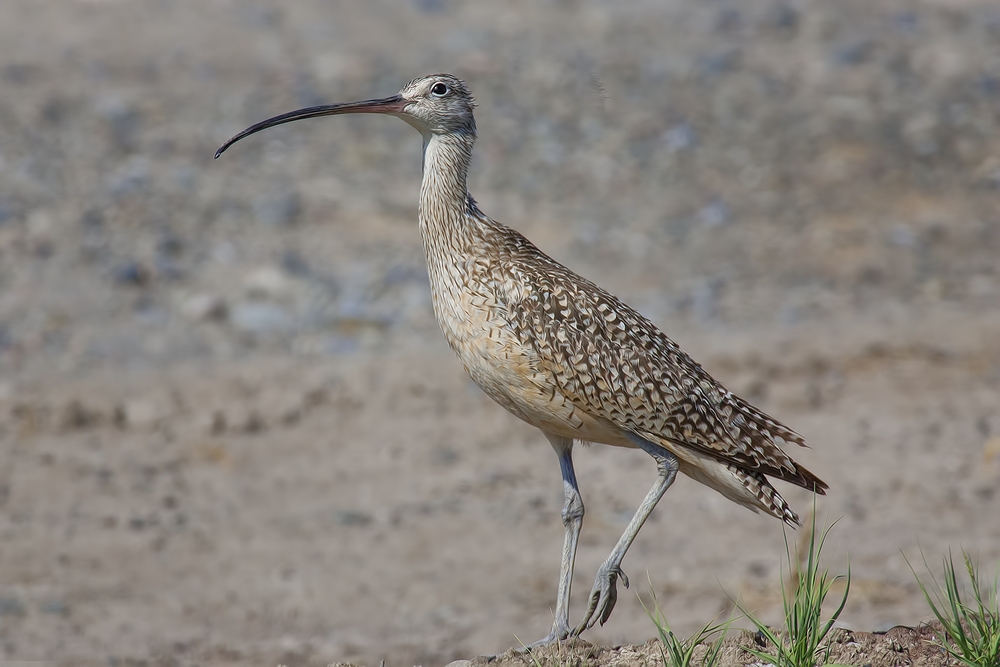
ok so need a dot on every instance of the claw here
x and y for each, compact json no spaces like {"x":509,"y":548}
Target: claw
{"x":603,"y":597}
{"x":609,"y":604}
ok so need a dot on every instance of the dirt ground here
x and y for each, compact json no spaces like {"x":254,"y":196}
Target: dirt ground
{"x":897,"y":647}
{"x":231,"y":433}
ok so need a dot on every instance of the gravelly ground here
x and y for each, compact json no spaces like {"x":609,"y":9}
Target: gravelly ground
{"x":230,"y":431}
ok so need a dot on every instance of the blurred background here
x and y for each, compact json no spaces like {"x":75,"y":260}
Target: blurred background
{"x":231,"y":433}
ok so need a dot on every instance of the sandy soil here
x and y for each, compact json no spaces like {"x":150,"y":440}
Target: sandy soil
{"x":897,"y":647}
{"x":230,"y":432}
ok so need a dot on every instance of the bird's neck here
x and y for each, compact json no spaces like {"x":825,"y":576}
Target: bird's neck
{"x":444,"y":221}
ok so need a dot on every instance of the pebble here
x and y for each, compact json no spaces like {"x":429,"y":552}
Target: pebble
{"x":12,"y":607}
{"x":131,"y":273}
{"x":680,"y":137}
{"x":261,"y":318}
{"x":855,"y":53}
{"x":991,"y":450}
{"x":295,"y":264}
{"x":431,"y":6}
{"x":353,"y":518}
{"x":57,"y":607}
{"x":40,"y":232}
{"x":715,"y":214}
{"x":270,"y":283}
{"x":92,"y":218}
{"x":204,"y":307}
{"x":143,"y":412}
{"x":124,"y":121}
{"x":130,"y":178}
{"x":281,"y":210}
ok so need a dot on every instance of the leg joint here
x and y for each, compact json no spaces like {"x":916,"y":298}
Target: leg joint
{"x":666,"y":462}
{"x":572,"y":511}
{"x":667,"y":465}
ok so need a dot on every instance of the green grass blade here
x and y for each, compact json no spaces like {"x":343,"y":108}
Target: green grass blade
{"x":971,"y":629}
{"x":802,"y":601}
{"x":680,"y":652}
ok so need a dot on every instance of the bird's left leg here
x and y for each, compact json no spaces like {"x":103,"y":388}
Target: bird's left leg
{"x":604,"y":595}
{"x":572,"y":517}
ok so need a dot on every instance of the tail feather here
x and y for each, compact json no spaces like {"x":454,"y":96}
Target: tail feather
{"x":766,"y":496}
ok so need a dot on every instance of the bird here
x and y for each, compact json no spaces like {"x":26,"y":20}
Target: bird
{"x":567,"y":356}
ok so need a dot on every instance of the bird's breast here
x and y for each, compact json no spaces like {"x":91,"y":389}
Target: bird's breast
{"x":475,"y":318}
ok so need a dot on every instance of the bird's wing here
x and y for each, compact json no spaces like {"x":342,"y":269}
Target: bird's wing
{"x":615,"y":364}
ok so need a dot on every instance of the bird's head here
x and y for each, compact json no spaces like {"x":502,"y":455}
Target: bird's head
{"x":439,"y":104}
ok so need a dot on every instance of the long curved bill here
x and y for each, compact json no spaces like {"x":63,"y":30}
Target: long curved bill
{"x":394,"y":104}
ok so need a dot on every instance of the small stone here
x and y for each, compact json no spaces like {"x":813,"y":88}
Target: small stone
{"x":218,"y":423}
{"x":57,"y":607}
{"x":92,"y":219}
{"x":294,"y":264}
{"x":204,"y":307}
{"x":277,"y":211}
{"x":254,"y":422}
{"x":902,"y":236}
{"x":854,"y":53}
{"x":919,"y":132}
{"x":7,"y":392}
{"x":261,"y":318}
{"x":991,"y":450}
{"x":431,"y":6}
{"x":143,"y":413}
{"x":445,"y":456}
{"x":39,"y":225}
{"x":130,"y":179}
{"x":76,"y":416}
{"x":715,"y":214}
{"x":124,"y":121}
{"x":680,"y":137}
{"x":271,"y":283}
{"x":10,"y":606}
{"x":131,"y":273}
{"x":782,"y":18}
{"x":40,"y":233}
{"x":353,"y":518}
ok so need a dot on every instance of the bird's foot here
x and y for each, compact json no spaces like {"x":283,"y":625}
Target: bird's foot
{"x":560,"y":632}
{"x":603,"y":596}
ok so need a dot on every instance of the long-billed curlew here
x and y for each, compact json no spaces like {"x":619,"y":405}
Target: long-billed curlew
{"x":566,"y":356}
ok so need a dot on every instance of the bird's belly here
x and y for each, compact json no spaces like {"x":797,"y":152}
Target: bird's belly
{"x":532,"y":395}
{"x":512,"y":375}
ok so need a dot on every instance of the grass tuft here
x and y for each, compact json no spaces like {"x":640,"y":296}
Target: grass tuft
{"x":972,"y":631}
{"x":803,"y":606}
{"x":677,"y":652}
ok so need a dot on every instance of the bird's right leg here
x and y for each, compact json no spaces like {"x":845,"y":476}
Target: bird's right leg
{"x":605,"y":594}
{"x":572,"y":517}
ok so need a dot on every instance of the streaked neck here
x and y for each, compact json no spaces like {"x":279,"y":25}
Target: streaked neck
{"x":443,"y":191}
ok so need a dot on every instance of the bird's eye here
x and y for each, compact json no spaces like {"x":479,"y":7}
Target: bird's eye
{"x":439,"y":89}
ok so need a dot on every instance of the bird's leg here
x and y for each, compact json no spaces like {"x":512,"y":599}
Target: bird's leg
{"x":572,"y":517}
{"x":604,"y":595}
